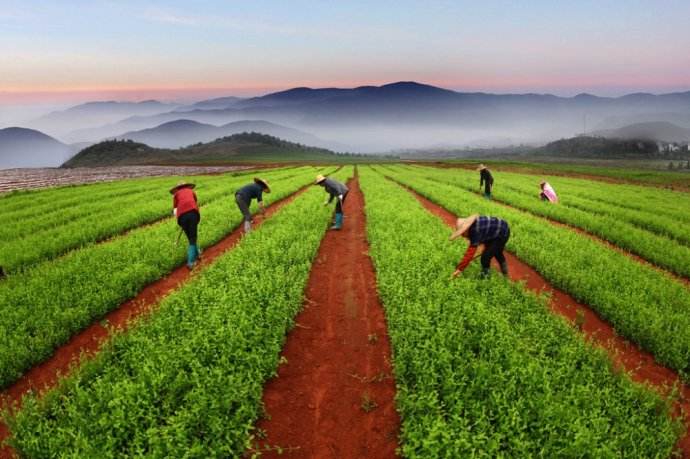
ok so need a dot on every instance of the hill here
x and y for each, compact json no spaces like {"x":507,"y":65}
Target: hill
{"x":21,"y":147}
{"x":244,"y":147}
{"x":180,"y":133}
{"x":602,"y":148}
{"x":111,"y":153}
{"x":659,"y":131}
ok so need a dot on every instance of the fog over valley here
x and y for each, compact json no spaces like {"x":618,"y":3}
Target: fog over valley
{"x":366,"y":119}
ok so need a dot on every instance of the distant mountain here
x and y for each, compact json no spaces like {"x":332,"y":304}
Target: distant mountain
{"x":245,"y":147}
{"x":180,"y":133}
{"x":93,"y":114}
{"x":219,"y":103}
{"x":660,"y":131}
{"x":21,"y":147}
{"x":413,"y":115}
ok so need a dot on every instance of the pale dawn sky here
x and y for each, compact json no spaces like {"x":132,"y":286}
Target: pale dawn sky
{"x":53,"y":51}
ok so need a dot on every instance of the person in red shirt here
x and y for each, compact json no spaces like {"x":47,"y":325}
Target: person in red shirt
{"x":186,"y":209}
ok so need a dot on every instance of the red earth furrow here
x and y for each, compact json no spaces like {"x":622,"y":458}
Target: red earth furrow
{"x":639,"y":364}
{"x":334,"y":395}
{"x":87,"y":342}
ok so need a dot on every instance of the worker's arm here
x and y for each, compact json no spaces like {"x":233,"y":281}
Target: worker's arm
{"x":469,"y":256}
{"x":262,"y":208}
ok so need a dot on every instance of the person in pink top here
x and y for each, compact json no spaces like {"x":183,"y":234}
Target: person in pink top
{"x":547,"y":192}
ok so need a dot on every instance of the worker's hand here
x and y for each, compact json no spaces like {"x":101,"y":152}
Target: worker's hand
{"x":175,"y":211}
{"x":455,"y":274}
{"x":340,"y":198}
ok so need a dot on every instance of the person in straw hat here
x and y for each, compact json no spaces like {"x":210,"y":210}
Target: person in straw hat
{"x":491,"y":232}
{"x":485,"y":179}
{"x":244,"y":196}
{"x":186,"y":209}
{"x":334,"y":189}
{"x":547,"y":192}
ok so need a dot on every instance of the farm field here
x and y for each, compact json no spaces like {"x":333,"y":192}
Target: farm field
{"x":646,"y":172}
{"x":358,"y":338}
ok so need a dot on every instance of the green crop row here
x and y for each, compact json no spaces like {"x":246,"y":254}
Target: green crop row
{"x":110,"y":217}
{"x":643,"y":305}
{"x":609,"y":224}
{"x":642,"y":198}
{"x":484,"y":369}
{"x":39,"y":203}
{"x":654,"y":217}
{"x":43,"y":307}
{"x":187,"y":381}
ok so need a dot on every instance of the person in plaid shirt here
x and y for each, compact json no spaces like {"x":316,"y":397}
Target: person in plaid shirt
{"x":490,"y":232}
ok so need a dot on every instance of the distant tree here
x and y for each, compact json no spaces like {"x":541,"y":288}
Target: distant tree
{"x":687,"y":165}
{"x":670,"y":165}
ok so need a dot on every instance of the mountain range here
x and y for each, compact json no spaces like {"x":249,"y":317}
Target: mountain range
{"x":410,"y":114}
{"x":373,"y":118}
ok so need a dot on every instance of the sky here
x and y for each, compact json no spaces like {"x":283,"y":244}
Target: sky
{"x":61,"y":51}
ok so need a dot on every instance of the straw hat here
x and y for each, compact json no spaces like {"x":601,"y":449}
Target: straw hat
{"x":181,"y":184}
{"x":263,"y":183}
{"x":481,"y":167}
{"x":461,"y":226}
{"x":320,"y":178}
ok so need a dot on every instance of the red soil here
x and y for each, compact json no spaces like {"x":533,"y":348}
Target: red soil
{"x":639,"y":364}
{"x":338,"y":357}
{"x":87,"y":342}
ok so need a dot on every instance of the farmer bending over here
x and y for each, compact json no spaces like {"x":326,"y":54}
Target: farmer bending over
{"x":486,"y":179}
{"x":547,"y":192}
{"x":492,"y":232}
{"x":335,"y":189}
{"x":186,"y":209}
{"x":244,"y":197}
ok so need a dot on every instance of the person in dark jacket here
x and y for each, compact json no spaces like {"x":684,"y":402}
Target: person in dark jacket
{"x":485,"y":179}
{"x":244,"y":196}
{"x":334,"y":189}
{"x":491,"y":232}
{"x":186,"y":209}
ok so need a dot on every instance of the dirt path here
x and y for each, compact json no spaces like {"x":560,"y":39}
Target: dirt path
{"x":639,"y":364}
{"x":87,"y":342}
{"x":334,"y":396}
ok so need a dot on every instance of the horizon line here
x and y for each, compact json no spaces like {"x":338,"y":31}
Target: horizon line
{"x":172,"y":93}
